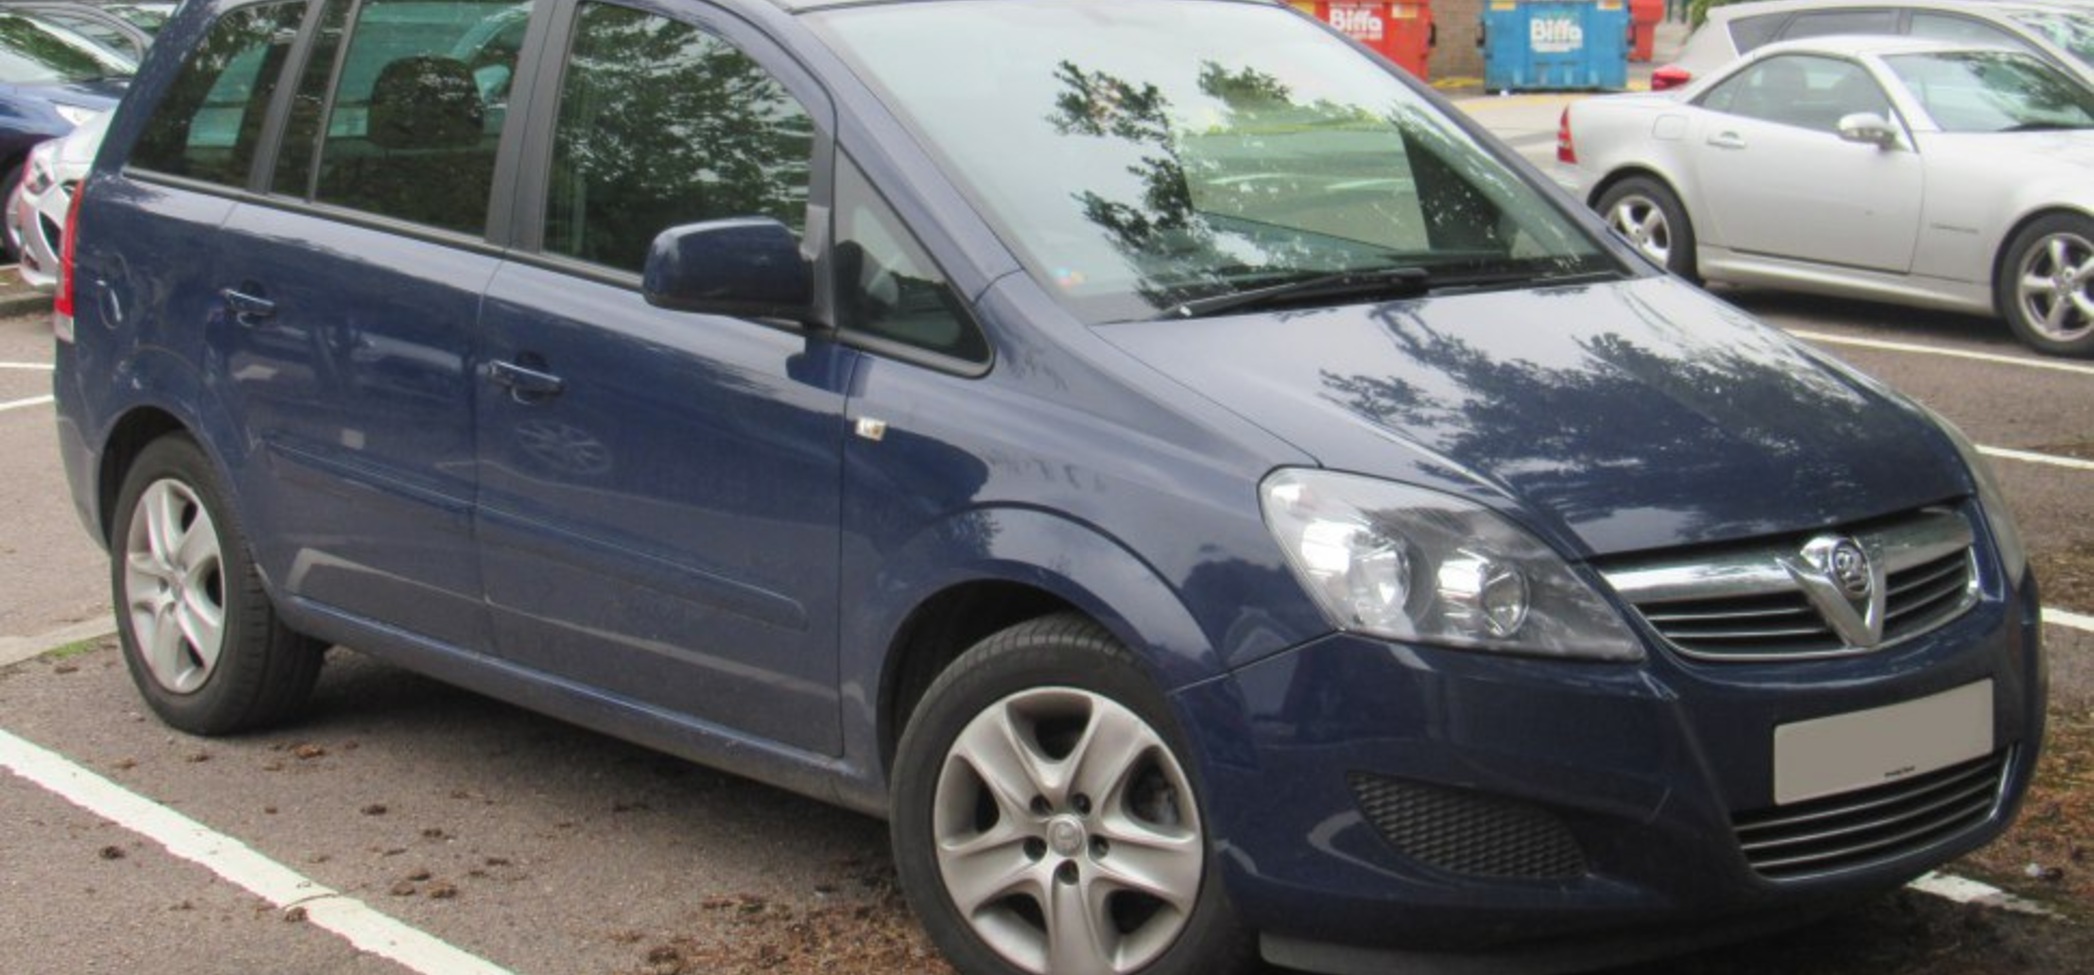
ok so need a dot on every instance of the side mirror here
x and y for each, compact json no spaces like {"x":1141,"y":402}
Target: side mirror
{"x":1869,"y":129}
{"x":747,"y":267}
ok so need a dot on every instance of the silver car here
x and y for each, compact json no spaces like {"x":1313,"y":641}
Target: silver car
{"x":36,"y":209}
{"x":1918,"y":172}
{"x":2060,"y":31}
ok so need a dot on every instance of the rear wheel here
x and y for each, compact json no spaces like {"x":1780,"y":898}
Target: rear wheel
{"x":201,"y":640}
{"x":1045,"y":820}
{"x":1647,"y":214}
{"x":2046,"y":285}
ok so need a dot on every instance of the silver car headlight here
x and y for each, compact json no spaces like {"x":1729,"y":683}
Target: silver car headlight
{"x":1410,"y":564}
{"x":2006,"y":535}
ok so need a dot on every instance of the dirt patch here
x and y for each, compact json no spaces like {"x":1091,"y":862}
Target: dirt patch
{"x":2047,"y":855}
{"x":862,"y":925}
{"x":2066,"y":577}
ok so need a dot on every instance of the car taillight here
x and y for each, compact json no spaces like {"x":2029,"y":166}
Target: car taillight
{"x":62,"y":306}
{"x":1670,"y":76}
{"x":1565,"y":152}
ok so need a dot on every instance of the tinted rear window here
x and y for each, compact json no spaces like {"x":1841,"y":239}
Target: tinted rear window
{"x":1747,"y":34}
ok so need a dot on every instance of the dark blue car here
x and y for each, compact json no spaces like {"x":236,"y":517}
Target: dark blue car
{"x":1213,"y":500}
{"x":51,"y":79}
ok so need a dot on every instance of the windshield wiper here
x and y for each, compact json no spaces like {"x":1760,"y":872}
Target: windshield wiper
{"x":1394,"y":282}
{"x":1389,"y":282}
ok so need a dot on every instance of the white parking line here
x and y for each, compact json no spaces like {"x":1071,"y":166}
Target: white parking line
{"x":2030,"y":457}
{"x":2012,"y":360}
{"x":1965,"y":891}
{"x":281,"y":886}
{"x":20,"y":403}
{"x":39,"y":366}
{"x":2071,"y":621}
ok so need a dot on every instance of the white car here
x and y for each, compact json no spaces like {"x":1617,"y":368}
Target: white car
{"x":2059,"y":31}
{"x":1919,"y":172}
{"x":37,"y":207}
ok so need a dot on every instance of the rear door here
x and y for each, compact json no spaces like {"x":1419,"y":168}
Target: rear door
{"x":659,"y":489}
{"x":349,"y":289}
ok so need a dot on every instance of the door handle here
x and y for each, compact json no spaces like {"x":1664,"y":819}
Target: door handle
{"x":525,"y":385}
{"x":248,"y":310}
{"x":1727,"y":140}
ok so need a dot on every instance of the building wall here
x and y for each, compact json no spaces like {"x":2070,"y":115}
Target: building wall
{"x":1460,"y":23}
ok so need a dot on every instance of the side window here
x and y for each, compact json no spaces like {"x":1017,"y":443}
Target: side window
{"x":96,"y":30}
{"x":1822,"y":23}
{"x":662,"y":124}
{"x":1949,"y":27}
{"x":210,"y":121}
{"x":1748,"y":34}
{"x":420,"y":98}
{"x":886,"y":285}
{"x":1800,"y":90}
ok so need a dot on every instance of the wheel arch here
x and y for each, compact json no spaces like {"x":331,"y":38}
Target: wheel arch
{"x":1628,"y":172}
{"x":129,"y":437}
{"x":988,"y":570}
{"x":2001,"y":251}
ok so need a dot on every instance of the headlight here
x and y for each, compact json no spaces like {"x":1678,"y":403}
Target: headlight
{"x":75,"y":114}
{"x":2006,"y":535}
{"x":1405,"y":563}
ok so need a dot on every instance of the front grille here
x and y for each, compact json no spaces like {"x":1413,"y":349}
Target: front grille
{"x":1856,"y":829}
{"x":1744,"y":604}
{"x":1465,"y":833}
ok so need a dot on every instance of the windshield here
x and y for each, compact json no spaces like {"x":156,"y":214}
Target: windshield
{"x":1134,"y":164}
{"x":2070,"y":30}
{"x":1994,"y":91}
{"x":36,"y":52}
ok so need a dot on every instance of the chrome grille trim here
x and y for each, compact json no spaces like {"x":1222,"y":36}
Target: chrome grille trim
{"x":1744,"y":605}
{"x":1857,"y":829}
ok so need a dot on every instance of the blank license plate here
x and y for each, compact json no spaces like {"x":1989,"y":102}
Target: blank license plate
{"x":1828,"y":756}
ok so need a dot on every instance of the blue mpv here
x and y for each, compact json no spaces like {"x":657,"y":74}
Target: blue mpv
{"x":1215,"y":502}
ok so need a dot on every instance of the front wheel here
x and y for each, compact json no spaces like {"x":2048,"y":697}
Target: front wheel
{"x":1650,"y":217}
{"x":2046,"y":285}
{"x":1045,"y":819}
{"x":200,"y":638}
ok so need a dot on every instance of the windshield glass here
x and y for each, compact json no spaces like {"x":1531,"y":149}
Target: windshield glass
{"x":36,"y":52}
{"x":2072,"y":31}
{"x":1993,"y":91}
{"x":1134,"y":164}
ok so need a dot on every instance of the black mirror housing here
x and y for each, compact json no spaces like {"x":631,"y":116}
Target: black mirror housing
{"x":746,"y":266}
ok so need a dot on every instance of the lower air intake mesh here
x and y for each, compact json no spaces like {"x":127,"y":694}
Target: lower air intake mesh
{"x":1464,"y":833}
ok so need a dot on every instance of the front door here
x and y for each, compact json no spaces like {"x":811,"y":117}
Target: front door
{"x":659,"y":490}
{"x":1777,"y":179}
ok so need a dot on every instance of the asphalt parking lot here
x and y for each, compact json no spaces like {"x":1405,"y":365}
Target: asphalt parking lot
{"x":410,"y":827}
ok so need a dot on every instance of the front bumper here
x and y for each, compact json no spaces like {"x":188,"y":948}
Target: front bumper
{"x":1641,"y":767}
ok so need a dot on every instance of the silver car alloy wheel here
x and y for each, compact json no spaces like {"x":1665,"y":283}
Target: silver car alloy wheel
{"x":174,"y":586}
{"x":1066,"y":834}
{"x":1639,"y":219}
{"x":2056,"y":287}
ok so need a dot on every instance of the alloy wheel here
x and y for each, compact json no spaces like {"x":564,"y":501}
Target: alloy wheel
{"x":174,"y":586}
{"x":1642,"y":222}
{"x":1066,"y":834}
{"x":2055,"y":285}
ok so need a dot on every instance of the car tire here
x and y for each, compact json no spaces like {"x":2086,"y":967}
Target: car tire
{"x":199,"y":635}
{"x":2045,"y":286}
{"x":11,"y":238}
{"x":1647,"y":214}
{"x":1004,"y":852}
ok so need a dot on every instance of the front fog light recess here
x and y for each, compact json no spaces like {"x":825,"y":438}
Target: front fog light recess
{"x":1411,"y":564}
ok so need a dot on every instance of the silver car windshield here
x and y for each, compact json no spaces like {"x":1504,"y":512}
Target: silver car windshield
{"x":1137,"y":157}
{"x":1993,"y":91}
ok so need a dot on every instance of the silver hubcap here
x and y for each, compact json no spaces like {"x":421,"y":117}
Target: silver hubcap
{"x":1066,"y":834}
{"x":2057,"y":287}
{"x":1638,"y":218}
{"x":174,"y":590}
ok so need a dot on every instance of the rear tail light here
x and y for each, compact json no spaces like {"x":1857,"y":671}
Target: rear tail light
{"x":1670,"y":76}
{"x":62,"y":307}
{"x":1565,"y":151}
